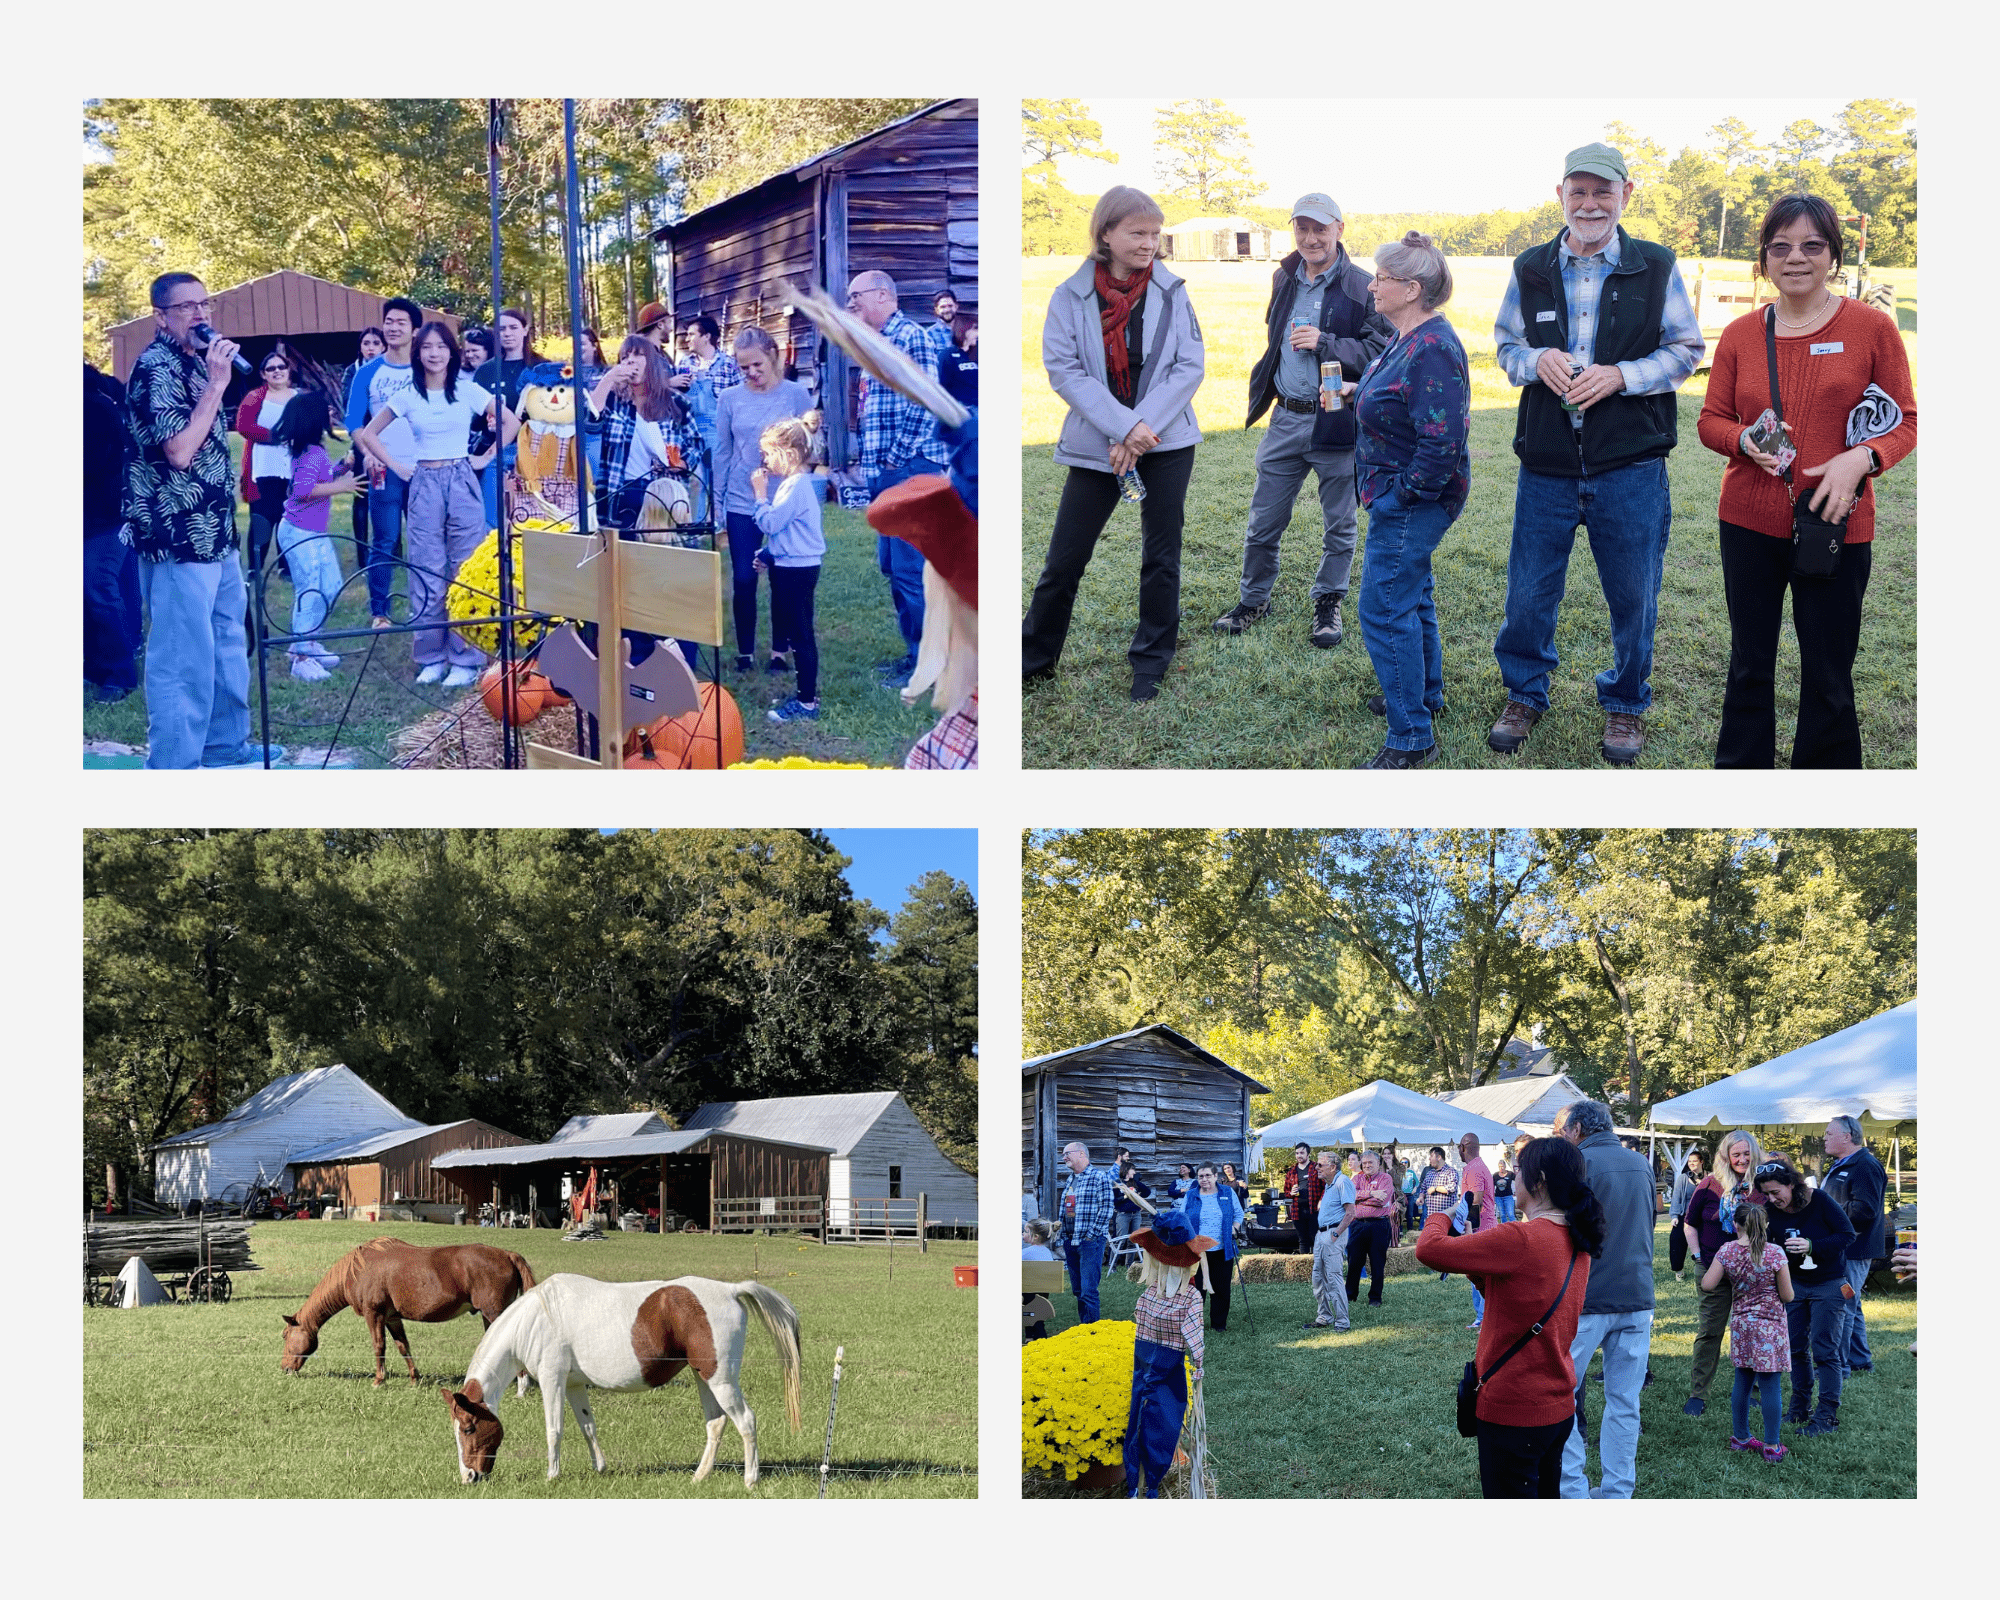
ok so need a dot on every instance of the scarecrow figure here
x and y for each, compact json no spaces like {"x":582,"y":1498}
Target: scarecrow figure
{"x":1168,"y":1319}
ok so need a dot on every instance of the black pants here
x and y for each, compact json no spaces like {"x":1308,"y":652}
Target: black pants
{"x":265,"y":512}
{"x":360,"y":504}
{"x":792,"y":622}
{"x":1368,"y":1235}
{"x":1218,"y":1277}
{"x":1826,"y":616}
{"x":1677,"y":1246}
{"x":744,"y":540}
{"x":1522,"y":1463}
{"x":1305,"y":1223}
{"x":1088,"y":500}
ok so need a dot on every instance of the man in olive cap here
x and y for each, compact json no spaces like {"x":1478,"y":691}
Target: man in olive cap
{"x":1596,"y":331}
{"x":1320,"y":310}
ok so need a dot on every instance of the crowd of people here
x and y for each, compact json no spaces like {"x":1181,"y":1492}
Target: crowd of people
{"x":1368,"y":387}
{"x":1556,"y":1240}
{"x":432,"y":416}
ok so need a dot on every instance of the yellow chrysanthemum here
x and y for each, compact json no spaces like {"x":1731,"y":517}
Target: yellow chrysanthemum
{"x":476,"y":595}
{"x":802,"y":764}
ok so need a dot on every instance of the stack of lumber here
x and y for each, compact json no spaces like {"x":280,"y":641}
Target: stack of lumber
{"x":166,"y":1244}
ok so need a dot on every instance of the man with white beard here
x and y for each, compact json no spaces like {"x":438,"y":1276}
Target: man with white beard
{"x":1596,"y":331}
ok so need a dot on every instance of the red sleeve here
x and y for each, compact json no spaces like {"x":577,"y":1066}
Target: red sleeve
{"x":1719,"y":426}
{"x":253,"y":402}
{"x":1892,"y":372}
{"x":1490,"y":1250}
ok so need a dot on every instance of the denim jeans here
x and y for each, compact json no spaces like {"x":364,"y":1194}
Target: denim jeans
{"x":385,"y":531}
{"x":1854,"y":1350}
{"x":315,"y":573}
{"x":1817,"y":1322}
{"x":1503,"y":1207}
{"x":1627,"y":513}
{"x":489,"y":492}
{"x":1086,"y":1266}
{"x":1478,"y":1301}
{"x":1625,"y":1337}
{"x":1399,"y":616}
{"x":197,"y":666}
{"x":111,"y":625}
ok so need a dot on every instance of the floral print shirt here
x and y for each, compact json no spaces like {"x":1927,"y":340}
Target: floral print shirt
{"x":1414,"y":405}
{"x":174,"y":513}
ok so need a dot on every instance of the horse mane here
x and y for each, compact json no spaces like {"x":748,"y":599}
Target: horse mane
{"x":331,"y":1295}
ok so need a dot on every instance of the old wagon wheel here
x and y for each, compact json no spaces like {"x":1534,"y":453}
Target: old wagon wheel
{"x":209,"y":1283}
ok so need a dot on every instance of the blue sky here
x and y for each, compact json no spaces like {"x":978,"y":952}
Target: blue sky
{"x":888,"y":860}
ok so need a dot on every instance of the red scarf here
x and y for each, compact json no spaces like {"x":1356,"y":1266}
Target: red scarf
{"x":1120,"y":301}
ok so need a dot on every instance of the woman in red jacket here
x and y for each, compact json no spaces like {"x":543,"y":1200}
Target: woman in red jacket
{"x":1527,"y":1407}
{"x":1831,"y":352}
{"x":267,"y":467}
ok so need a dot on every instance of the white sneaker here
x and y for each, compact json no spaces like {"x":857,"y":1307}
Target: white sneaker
{"x":461,"y":678}
{"x":434,"y":673}
{"x":309,"y":670}
{"x":312,"y":647}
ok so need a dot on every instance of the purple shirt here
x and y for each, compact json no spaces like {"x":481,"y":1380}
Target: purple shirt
{"x":310,"y":470}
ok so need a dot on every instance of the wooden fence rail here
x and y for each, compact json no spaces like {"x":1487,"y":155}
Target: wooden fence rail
{"x":862,"y":1219}
{"x":789,"y":1213}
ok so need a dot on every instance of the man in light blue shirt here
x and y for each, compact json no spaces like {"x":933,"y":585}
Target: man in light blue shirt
{"x":1329,"y":1270}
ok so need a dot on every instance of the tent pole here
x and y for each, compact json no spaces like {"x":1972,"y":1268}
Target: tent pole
{"x":510,"y":737}
{"x":1896,"y":1155}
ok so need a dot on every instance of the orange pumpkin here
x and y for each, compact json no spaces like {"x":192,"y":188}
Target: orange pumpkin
{"x":688,"y":741}
{"x":531,"y":692}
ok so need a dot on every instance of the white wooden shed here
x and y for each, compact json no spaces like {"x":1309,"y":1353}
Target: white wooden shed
{"x":285,"y":1117}
{"x":1216,"y":239}
{"x":880,"y":1149}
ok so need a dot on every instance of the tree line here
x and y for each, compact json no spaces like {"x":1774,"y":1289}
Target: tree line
{"x":1704,"y":201}
{"x":520,"y":976}
{"x":390,"y":196}
{"x":1651,"y":961}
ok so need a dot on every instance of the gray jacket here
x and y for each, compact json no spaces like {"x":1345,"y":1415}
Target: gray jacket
{"x":1621,"y":1280}
{"x":1073,"y":354}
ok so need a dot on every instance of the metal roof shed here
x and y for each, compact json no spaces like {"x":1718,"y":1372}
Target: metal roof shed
{"x":391,"y":1166}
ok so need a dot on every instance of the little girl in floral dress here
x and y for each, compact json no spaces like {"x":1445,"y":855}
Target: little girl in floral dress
{"x":1759,"y":1281}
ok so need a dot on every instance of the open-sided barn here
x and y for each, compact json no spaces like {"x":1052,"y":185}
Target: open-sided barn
{"x":1152,"y":1090}
{"x":385,"y":1167}
{"x":902,"y":200}
{"x":880,"y":1149}
{"x":1216,"y":239}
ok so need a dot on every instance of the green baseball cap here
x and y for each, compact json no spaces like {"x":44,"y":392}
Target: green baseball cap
{"x":1598,"y":159}
{"x":1317,"y":206}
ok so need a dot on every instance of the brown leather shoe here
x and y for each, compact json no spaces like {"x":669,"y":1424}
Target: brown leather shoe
{"x":1624,"y":738}
{"x":1511,"y":731}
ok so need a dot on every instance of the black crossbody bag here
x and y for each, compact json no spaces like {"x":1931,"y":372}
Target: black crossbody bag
{"x":1470,"y":1385}
{"x":1816,"y":543}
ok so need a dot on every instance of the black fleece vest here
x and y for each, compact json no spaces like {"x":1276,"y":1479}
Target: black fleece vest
{"x":1624,"y":427}
{"x":1341,"y":316}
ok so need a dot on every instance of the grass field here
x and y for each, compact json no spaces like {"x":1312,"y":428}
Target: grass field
{"x":1370,"y":1413}
{"x":1269,"y":699}
{"x":855,"y":624}
{"x":188,"y":1401}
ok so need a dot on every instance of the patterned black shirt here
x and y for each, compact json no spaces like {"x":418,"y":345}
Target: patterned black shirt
{"x":176,"y":514}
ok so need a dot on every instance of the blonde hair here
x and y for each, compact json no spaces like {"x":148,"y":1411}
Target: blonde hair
{"x":785,"y":441}
{"x":1113,"y":206}
{"x":1724,"y":1173}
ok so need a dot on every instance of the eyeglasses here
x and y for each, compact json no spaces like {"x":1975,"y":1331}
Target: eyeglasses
{"x":1387,"y":277}
{"x":188,"y":305}
{"x":1812,"y":249}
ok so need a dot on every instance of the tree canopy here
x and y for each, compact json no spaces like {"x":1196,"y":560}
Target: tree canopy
{"x":515,"y":975}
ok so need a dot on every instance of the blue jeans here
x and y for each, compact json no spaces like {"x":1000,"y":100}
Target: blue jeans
{"x":489,"y":492}
{"x":1817,"y":1322}
{"x":1153,"y":1423}
{"x":1503,"y":1207}
{"x":197,"y":663}
{"x":1627,"y":514}
{"x":1854,"y":1350}
{"x":903,"y":564}
{"x":1625,"y":1337}
{"x":315,"y":573}
{"x":111,"y":625}
{"x":1399,"y":617}
{"x":385,"y":529}
{"x":1478,"y":1301}
{"x":1086,"y":1266}
{"x":1769,"y":1399}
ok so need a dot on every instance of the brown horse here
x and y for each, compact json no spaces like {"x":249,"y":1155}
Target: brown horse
{"x":386,"y":1280}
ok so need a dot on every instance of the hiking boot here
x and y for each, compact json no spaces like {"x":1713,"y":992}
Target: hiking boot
{"x":1800,"y":1408}
{"x":1511,"y":731}
{"x":1825,"y":1420}
{"x":1624,"y":738}
{"x":1240,"y":617}
{"x":1387,"y":760}
{"x":1326,"y":629}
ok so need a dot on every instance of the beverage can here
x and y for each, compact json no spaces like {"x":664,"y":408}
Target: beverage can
{"x":1906,"y":1238}
{"x":1575,"y":370}
{"x":1329,"y":386}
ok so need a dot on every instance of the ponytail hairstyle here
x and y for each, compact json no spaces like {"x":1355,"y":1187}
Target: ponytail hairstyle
{"x":1555,"y":1166}
{"x":1754,"y":1226}
{"x":784,"y":442}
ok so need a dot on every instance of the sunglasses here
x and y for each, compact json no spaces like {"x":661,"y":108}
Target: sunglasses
{"x":276,"y":366}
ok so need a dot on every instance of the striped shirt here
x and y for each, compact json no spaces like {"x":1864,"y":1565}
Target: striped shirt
{"x":1665,"y":370}
{"x":894,"y":430}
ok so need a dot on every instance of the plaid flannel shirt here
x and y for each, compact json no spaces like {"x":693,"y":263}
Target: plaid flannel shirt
{"x":952,"y":746}
{"x":1439,"y":1190}
{"x":1174,"y":1322}
{"x":894,"y":430}
{"x":1309,"y":1184}
{"x":621,"y":420}
{"x":1665,"y":370}
{"x":1089,"y":1192}
{"x":722,"y":372}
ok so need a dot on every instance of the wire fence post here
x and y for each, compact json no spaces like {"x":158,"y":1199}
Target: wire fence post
{"x":833,"y":1405}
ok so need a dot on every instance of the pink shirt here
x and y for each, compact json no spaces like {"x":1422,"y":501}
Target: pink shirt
{"x":1475,"y":1177}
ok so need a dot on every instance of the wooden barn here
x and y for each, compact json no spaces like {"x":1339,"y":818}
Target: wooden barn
{"x":880,"y":1150}
{"x":257,"y":1140}
{"x":1152,"y":1091}
{"x":1217,"y":239}
{"x":712,"y":1178}
{"x":387,"y":1167}
{"x":902,"y":200}
{"x":319,"y":317}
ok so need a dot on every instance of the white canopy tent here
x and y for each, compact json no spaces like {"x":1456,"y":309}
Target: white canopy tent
{"x":1381,"y":1113}
{"x":1868,"y":1072}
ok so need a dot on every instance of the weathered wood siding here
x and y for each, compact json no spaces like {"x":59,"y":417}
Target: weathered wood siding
{"x":404,"y":1170}
{"x":749,"y":1168}
{"x":898,"y":1139}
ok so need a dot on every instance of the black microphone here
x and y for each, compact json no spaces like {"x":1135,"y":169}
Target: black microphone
{"x":208,"y":336}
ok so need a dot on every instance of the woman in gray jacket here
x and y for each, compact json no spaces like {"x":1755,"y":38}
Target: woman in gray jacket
{"x":1123,"y":349}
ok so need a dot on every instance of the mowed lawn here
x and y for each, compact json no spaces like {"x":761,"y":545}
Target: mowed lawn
{"x":187,"y":1400}
{"x":1370,"y":1413}
{"x":1269,"y":699}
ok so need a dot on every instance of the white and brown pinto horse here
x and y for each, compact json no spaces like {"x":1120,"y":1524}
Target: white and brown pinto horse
{"x":574,"y":1333}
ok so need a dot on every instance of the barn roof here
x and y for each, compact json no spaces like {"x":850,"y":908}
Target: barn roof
{"x":628,"y":1147}
{"x":1522,"y":1099}
{"x":1179,"y":1041}
{"x":281,"y":1097}
{"x":616,"y":1125}
{"x":375,"y":1143}
{"x":806,"y":168}
{"x":839,"y":1121}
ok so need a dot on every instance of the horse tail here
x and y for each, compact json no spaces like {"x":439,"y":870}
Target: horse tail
{"x":782,"y":1323}
{"x":527,"y":1272}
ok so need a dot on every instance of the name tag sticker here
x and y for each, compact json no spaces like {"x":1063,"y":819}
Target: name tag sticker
{"x":1833,"y":349}
{"x":1545,"y":316}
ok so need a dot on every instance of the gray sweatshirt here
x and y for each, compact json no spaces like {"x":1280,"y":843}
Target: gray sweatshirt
{"x":741,"y":414}
{"x":789,"y":520}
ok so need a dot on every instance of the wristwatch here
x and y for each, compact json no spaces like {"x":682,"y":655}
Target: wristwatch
{"x":1874,"y":461}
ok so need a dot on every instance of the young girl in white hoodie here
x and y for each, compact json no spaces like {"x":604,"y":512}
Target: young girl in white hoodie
{"x":788,"y":519}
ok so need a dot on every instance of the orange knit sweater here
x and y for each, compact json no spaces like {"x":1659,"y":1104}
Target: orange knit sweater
{"x":1819,"y":391}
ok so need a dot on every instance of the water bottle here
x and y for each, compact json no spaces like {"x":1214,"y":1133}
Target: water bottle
{"x":1131,"y":487}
